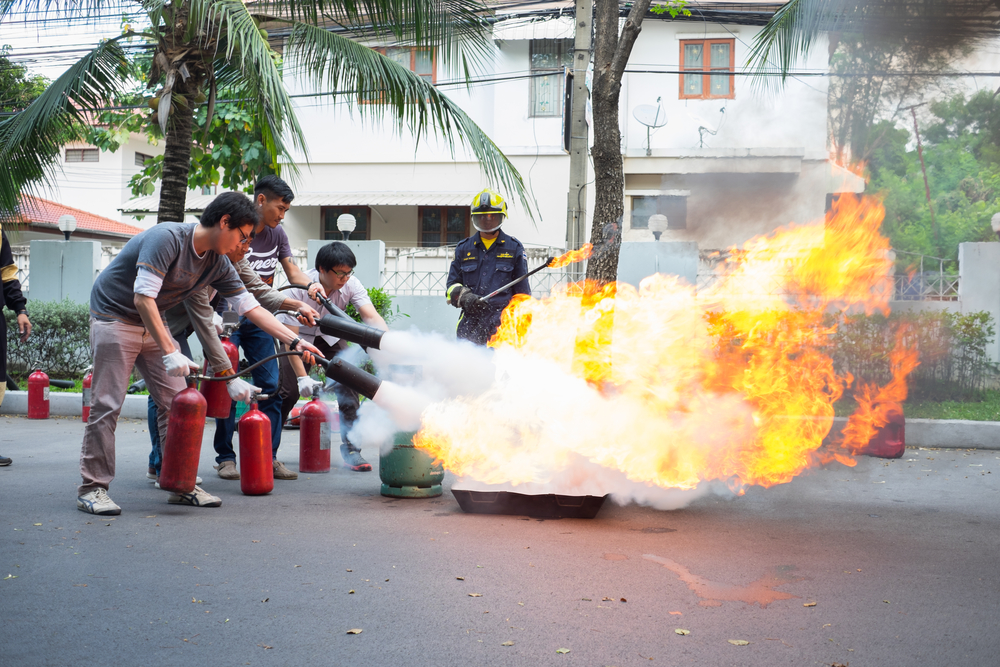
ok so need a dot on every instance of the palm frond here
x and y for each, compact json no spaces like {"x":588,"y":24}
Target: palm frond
{"x":245,"y":62}
{"x":392,"y":91}
{"x":457,"y":28}
{"x":31,"y":141}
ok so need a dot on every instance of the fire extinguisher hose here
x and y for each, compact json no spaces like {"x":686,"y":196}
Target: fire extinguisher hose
{"x":334,"y":310}
{"x":338,"y":370}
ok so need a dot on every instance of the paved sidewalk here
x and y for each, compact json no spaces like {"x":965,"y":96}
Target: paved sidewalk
{"x":899,"y":557}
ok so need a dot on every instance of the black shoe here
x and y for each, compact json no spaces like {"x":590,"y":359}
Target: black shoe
{"x":4,"y":461}
{"x":353,"y":461}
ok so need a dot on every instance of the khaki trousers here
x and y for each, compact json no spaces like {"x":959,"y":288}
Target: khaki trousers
{"x":117,"y":347}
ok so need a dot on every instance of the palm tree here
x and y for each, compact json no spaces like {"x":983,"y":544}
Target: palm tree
{"x":201,"y":46}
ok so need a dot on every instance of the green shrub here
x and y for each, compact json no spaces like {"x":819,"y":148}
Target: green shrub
{"x":951,"y":349}
{"x":59,"y":342}
{"x":382,"y":302}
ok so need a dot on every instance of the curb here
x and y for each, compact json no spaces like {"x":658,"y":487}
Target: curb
{"x":69,"y":404}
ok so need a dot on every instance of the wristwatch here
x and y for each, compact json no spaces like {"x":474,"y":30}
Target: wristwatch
{"x":292,"y":343}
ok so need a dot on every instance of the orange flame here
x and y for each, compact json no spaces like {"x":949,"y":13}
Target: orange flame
{"x":671,"y":386}
{"x":572,"y":256}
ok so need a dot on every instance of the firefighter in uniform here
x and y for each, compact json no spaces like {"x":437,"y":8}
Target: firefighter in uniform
{"x":485,"y":262}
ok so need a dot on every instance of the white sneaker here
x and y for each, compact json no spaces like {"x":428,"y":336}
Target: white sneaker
{"x":97,"y":502}
{"x":198,"y":498}
{"x":154,"y":478}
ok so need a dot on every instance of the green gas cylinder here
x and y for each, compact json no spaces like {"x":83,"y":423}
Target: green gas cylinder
{"x":408,"y":472}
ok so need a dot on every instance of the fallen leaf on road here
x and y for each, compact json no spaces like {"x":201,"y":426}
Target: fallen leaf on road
{"x":81,"y":585}
{"x":586,"y":599}
{"x":507,"y":644}
{"x":562,"y":650}
{"x":354,"y":631}
{"x":350,"y":570}
{"x":808,"y":604}
{"x":606,"y":600}
{"x":265,"y":599}
{"x":885,"y":601}
{"x":682,"y":631}
{"x":475,"y":595}
{"x":36,"y":524}
{"x":460,"y":578}
{"x":624,"y":600}
{"x":151,"y":516}
{"x":255,"y":541}
{"x":350,"y":592}
{"x":738,"y":642}
{"x":264,"y":646}
{"x":10,"y":576}
{"x":677,"y":613}
{"x":298,"y":566}
{"x":520,"y":603}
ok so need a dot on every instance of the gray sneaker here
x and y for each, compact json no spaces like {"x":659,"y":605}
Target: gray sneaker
{"x":227,"y":470}
{"x":97,"y":502}
{"x":197,"y":498}
{"x":281,"y":472}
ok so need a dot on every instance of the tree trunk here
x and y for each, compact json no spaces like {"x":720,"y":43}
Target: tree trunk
{"x":176,"y":165}
{"x":611,"y":54}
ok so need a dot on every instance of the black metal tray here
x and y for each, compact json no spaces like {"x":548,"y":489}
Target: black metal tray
{"x":539,"y":506}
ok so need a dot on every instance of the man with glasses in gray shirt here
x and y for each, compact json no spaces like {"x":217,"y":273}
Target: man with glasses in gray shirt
{"x":155,"y":271}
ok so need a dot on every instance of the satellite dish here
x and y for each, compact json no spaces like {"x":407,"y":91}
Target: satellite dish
{"x":652,"y":116}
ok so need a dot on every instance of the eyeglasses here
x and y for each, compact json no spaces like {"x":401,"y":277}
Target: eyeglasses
{"x":245,"y":240}
{"x":343,"y":274}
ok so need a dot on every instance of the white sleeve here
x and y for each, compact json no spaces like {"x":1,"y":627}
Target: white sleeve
{"x":243,"y":302}
{"x":147,"y":283}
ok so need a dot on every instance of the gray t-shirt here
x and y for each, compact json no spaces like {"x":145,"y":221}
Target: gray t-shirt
{"x":166,"y":250}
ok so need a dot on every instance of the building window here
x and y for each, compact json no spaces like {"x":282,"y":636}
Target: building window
{"x":675,"y":208}
{"x":420,"y":61}
{"x":82,"y":155}
{"x":140,"y":159}
{"x":443,"y":225}
{"x":707,"y":56}
{"x":549,"y":55}
{"x":330,"y":215}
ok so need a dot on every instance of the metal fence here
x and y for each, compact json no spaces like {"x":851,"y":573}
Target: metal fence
{"x":435,"y":283}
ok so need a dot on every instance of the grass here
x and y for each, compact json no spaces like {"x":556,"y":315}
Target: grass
{"x":77,"y":388}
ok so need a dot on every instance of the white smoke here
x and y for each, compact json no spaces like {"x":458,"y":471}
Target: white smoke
{"x":554,"y":411}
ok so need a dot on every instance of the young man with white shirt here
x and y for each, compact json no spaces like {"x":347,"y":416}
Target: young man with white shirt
{"x":334,"y":270}
{"x":155,"y":271}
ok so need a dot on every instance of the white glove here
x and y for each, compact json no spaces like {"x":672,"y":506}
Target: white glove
{"x":241,"y":390}
{"x":217,"y":321}
{"x":306,"y":386}
{"x":178,"y":365}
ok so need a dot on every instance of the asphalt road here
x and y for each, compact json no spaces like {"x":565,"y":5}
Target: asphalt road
{"x":890,"y":563}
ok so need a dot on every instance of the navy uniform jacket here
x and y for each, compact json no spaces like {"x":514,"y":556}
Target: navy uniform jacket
{"x":484,"y":271}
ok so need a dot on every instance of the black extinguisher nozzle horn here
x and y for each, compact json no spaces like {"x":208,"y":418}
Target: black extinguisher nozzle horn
{"x":340,"y":371}
{"x":351,"y":331}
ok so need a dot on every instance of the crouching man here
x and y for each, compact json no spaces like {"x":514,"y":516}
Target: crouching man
{"x":155,"y":271}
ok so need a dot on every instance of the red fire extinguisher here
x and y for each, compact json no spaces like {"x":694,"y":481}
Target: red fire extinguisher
{"x":215,"y":393}
{"x":315,"y":436}
{"x":88,"y":380}
{"x":256,"y":469}
{"x":38,"y":395}
{"x":182,"y":446}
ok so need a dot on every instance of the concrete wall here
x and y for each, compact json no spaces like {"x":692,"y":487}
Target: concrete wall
{"x":979,"y":289}
{"x":64,"y":269}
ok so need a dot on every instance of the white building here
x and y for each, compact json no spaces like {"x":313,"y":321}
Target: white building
{"x":729,"y":163}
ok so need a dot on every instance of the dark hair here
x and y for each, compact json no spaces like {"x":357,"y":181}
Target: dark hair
{"x":335,"y":254}
{"x":271,"y":186}
{"x":240,"y":209}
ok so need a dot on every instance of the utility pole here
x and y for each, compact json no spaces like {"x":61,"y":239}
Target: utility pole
{"x":576,"y":209}
{"x":923,"y":168}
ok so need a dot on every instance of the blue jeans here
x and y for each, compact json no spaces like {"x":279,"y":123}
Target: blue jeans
{"x":256,"y":345}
